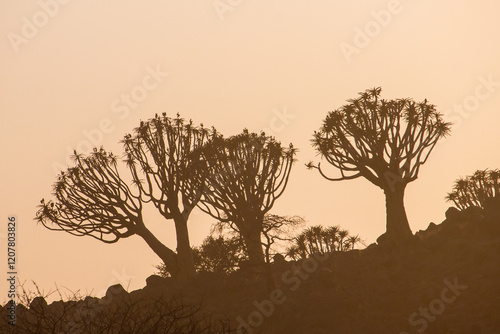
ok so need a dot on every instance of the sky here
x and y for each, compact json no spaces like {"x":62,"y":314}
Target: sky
{"x":77,"y":74}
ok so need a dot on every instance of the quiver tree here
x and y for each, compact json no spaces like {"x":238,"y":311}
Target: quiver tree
{"x":321,"y":240}
{"x":476,"y":189}
{"x":158,"y":156}
{"x":91,"y":199}
{"x":246,"y":173}
{"x":384,"y":141}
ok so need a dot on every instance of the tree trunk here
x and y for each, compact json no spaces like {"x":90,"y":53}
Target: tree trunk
{"x":184,"y":252}
{"x":167,"y":255}
{"x":251,"y":236}
{"x":398,"y":228}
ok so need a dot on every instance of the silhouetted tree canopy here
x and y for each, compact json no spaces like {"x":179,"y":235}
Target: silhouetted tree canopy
{"x":159,"y":158}
{"x":384,"y":141}
{"x":219,"y":254}
{"x":216,"y":255}
{"x":158,"y":155}
{"x":476,"y":189}
{"x":93,"y":199}
{"x":321,"y":240}
{"x":246,"y":173}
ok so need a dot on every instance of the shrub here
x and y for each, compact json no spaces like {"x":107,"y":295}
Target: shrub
{"x":474,"y":190}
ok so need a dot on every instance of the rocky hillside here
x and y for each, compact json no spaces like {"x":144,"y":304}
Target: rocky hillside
{"x":446,"y":281}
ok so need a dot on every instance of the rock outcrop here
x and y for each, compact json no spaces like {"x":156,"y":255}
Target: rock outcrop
{"x":448,"y":281}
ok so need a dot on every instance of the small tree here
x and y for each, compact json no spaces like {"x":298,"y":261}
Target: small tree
{"x":383,"y":141}
{"x":276,"y":232}
{"x":245,"y":175}
{"x":476,"y":189}
{"x":216,"y":255}
{"x":318,"y":239}
{"x":219,"y":255}
{"x":352,"y":241}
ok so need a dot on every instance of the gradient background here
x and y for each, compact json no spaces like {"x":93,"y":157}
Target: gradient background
{"x":235,"y":72}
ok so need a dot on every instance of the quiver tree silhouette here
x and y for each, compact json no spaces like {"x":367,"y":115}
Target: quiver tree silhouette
{"x":158,"y":156}
{"x":476,"y":189}
{"x":91,"y":199}
{"x":246,"y":173}
{"x":321,"y":240}
{"x":384,"y":141}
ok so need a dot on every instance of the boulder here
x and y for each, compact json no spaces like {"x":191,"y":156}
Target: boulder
{"x":115,"y":292}
{"x":57,"y":306}
{"x":371,"y":248}
{"x":115,"y":295}
{"x":388,"y":243}
{"x":155,"y":281}
{"x":90,"y":300}
{"x":38,"y":303}
{"x":432,"y":227}
{"x":431,"y":230}
{"x":383,"y":239}
{"x":279,"y":259}
{"x":279,"y":262}
{"x":453,"y":214}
